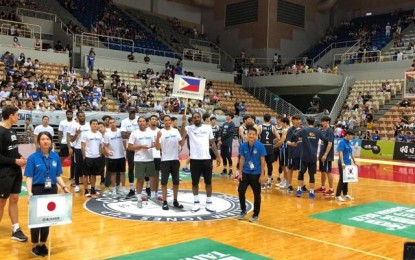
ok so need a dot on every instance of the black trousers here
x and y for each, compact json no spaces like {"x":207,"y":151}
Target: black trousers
{"x":130,"y":160}
{"x":226,"y":153}
{"x":341,"y":186}
{"x":253,"y":181}
{"x":42,"y":232}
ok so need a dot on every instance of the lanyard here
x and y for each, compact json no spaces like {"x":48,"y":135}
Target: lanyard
{"x":46,"y":165}
{"x":250,"y":152}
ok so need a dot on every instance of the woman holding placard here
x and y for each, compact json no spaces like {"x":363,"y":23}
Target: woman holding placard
{"x":43,"y":171}
{"x":345,"y":150}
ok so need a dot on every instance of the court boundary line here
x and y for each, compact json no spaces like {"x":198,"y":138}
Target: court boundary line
{"x":316,"y":240}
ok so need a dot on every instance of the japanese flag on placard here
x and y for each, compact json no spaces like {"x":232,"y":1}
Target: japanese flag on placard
{"x":350,"y":173}
{"x":48,"y":207}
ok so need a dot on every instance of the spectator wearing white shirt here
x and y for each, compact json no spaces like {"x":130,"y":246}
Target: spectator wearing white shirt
{"x":388,"y":28}
{"x":44,"y":127}
{"x":28,"y":63}
{"x":4,"y":93}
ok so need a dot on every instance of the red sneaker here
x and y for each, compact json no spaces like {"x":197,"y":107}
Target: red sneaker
{"x":160,"y":198}
{"x":329,"y":193}
{"x":320,"y":190}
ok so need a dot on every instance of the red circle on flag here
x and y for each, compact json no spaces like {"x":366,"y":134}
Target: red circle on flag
{"x":51,"y":206}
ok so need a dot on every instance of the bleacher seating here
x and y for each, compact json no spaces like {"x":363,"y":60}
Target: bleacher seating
{"x":347,"y":32}
{"x":91,"y":12}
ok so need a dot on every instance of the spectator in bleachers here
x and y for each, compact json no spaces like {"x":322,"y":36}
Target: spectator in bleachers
{"x":16,"y":43}
{"x":131,"y":57}
{"x":367,"y":136}
{"x":401,"y":137}
{"x":352,"y":123}
{"x":369,"y":119}
{"x":405,"y":103}
{"x":38,"y":44}
{"x":91,"y":61}
{"x":376,"y":136}
{"x":388,"y":29}
{"x":21,"y":59}
{"x":146,"y":59}
{"x":58,"y":47}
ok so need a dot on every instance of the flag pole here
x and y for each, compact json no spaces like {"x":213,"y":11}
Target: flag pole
{"x":50,"y":241}
{"x":186,"y":102}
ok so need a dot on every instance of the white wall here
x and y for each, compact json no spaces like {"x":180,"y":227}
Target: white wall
{"x":377,"y":71}
{"x":294,"y":80}
{"x":165,"y":7}
{"x":329,"y":57}
{"x":118,"y":64}
{"x":160,"y":60}
{"x":42,"y":56}
{"x":46,"y":25}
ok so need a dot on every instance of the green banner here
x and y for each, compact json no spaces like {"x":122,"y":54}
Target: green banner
{"x":384,"y":217}
{"x":194,"y":250}
{"x":377,"y":149}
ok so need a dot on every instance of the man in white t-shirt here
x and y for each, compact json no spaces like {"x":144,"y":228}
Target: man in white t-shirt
{"x":44,"y":127}
{"x":141,"y":141}
{"x":76,"y":131}
{"x":114,"y":151}
{"x":169,"y":141}
{"x":62,"y":136}
{"x":91,"y":153}
{"x":153,"y":126}
{"x":128,"y":125}
{"x":200,"y":140}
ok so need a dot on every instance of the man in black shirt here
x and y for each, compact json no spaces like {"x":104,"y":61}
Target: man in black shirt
{"x":11,"y":162}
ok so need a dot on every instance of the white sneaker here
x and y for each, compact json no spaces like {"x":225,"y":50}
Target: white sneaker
{"x":196,"y":206}
{"x":209,"y":207}
{"x":339,"y":198}
{"x":349,"y":197}
{"x":114,"y":192}
{"x":124,"y":191}
{"x":139,"y":203}
{"x":77,"y":189}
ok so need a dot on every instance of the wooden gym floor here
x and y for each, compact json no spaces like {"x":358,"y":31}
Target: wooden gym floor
{"x":284,"y":231}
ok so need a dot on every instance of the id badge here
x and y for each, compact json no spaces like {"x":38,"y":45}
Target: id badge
{"x":251,"y":165}
{"x":48,"y":184}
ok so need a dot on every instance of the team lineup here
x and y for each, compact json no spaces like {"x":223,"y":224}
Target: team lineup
{"x":152,"y":146}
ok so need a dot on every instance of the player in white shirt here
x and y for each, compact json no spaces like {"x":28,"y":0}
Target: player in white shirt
{"x":153,"y":126}
{"x":76,"y":132}
{"x":141,"y":141}
{"x":114,"y":150}
{"x":128,"y":125}
{"x":62,"y":136}
{"x":91,"y":142}
{"x":169,"y":141}
{"x":102,"y":130}
{"x":200,"y":138}
{"x":44,"y":127}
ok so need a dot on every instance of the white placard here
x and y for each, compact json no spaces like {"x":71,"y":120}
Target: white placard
{"x":188,"y":87}
{"x":350,"y":173}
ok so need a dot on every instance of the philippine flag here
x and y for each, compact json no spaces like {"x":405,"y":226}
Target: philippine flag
{"x":188,"y":84}
{"x":48,"y":207}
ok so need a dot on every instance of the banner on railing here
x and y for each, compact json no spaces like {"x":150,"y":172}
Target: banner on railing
{"x":404,"y":151}
{"x":377,"y":149}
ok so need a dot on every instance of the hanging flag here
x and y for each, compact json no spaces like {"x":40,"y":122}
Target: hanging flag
{"x":49,"y":210}
{"x":188,"y":87}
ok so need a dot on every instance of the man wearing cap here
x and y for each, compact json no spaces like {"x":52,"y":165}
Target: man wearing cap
{"x":128,"y":125}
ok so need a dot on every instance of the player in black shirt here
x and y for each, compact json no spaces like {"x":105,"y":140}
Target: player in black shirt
{"x":11,"y":162}
{"x":267,"y":134}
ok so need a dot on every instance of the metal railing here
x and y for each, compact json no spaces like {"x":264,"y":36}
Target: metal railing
{"x":225,"y":58}
{"x":202,"y":56}
{"x":104,"y":41}
{"x":358,"y":57}
{"x":334,"y":45}
{"x":265,"y":62}
{"x":20,"y":12}
{"x":341,"y":98}
{"x":270,"y":99}
{"x":29,"y":30}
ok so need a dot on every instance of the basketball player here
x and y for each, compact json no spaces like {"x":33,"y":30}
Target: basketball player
{"x":91,"y":146}
{"x":225,"y":142}
{"x":267,"y":134}
{"x":200,"y":138}
{"x":326,"y":157}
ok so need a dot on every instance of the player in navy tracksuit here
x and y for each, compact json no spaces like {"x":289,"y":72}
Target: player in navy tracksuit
{"x":225,"y":142}
{"x":310,"y":138}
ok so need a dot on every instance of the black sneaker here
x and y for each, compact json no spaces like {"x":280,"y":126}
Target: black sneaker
{"x":130,"y":194}
{"x":36,"y":251}
{"x":19,"y":236}
{"x":278,"y":179}
{"x":44,"y":250}
{"x":290,"y":189}
{"x":223,"y":173}
{"x":165,"y":206}
{"x":304,"y":189}
{"x":148,"y":191}
{"x":176,"y":204}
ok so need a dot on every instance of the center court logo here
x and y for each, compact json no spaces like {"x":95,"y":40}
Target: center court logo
{"x":227,"y":206}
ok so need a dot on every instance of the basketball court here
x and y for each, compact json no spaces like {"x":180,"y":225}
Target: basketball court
{"x":373,"y":226}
